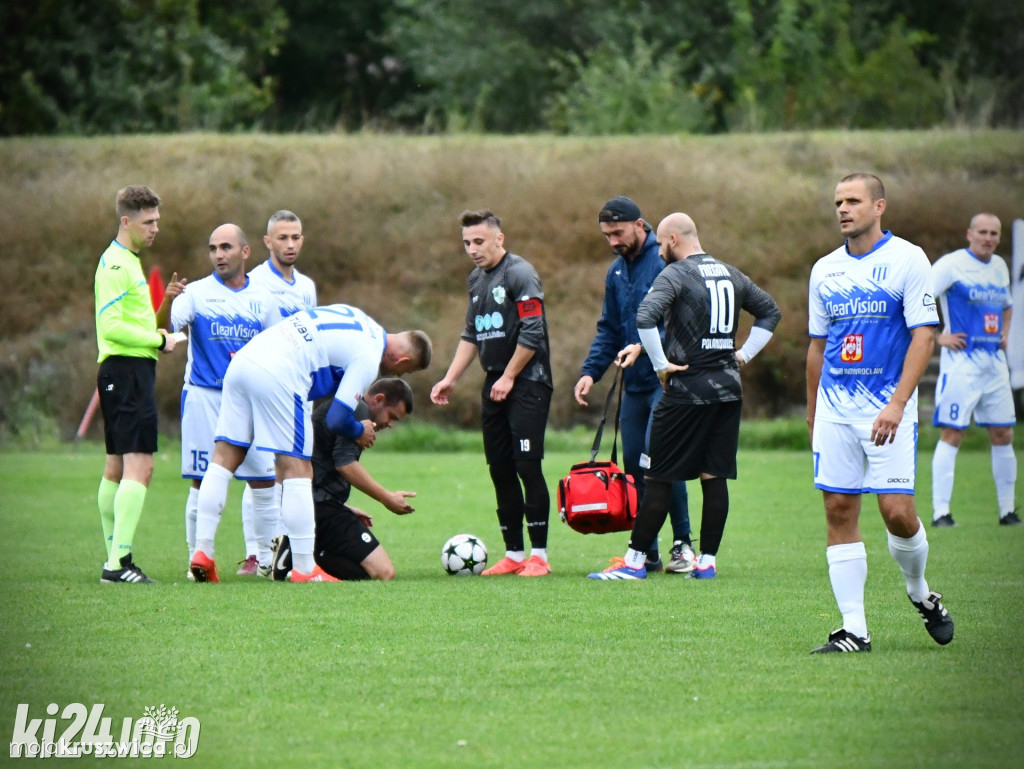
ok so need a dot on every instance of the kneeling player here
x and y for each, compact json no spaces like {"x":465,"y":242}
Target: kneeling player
{"x":344,"y":547}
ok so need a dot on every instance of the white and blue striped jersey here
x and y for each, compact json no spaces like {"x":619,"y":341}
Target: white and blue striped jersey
{"x":972,"y":295}
{"x":330,"y":350}
{"x":220,"y":321}
{"x":299,"y":294}
{"x":865,"y":306}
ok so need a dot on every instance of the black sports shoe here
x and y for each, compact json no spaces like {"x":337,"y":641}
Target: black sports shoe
{"x":842,"y":640}
{"x":945,"y":521}
{"x":937,"y":621}
{"x":1010,"y":519}
{"x":128,"y":572}
{"x":282,"y":563}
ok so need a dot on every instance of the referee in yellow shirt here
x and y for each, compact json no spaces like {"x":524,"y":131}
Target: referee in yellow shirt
{"x":128,"y":341}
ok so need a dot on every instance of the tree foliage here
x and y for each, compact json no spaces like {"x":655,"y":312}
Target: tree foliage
{"x":128,"y":66}
{"x":580,"y":66}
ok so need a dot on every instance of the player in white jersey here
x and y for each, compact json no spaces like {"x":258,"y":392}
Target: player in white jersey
{"x":292,"y":291}
{"x":330,"y":350}
{"x":222,"y":312}
{"x":972,"y":286}
{"x":870,"y":316}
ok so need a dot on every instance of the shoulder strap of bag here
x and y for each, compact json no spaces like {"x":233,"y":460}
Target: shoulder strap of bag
{"x":604,"y":418}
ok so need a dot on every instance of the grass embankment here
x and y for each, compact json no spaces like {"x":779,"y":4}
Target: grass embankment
{"x":380,"y":218}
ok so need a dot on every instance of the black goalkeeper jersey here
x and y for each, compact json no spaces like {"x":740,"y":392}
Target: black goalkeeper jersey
{"x":331,"y":451}
{"x":699,"y":299}
{"x":506,"y":308}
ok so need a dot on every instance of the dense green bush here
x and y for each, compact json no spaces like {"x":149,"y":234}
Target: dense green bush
{"x":582,"y":66}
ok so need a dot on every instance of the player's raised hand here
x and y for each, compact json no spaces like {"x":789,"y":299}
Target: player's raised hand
{"x":369,"y":435}
{"x":175,"y":286}
{"x":397,"y":502}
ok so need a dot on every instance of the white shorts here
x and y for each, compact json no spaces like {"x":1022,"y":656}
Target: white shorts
{"x":987,"y":397}
{"x":848,"y":462}
{"x":263,"y":410}
{"x":199,"y":409}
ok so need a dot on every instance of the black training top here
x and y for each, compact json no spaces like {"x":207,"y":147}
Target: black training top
{"x":506,"y":308}
{"x":699,"y":299}
{"x":331,"y":451}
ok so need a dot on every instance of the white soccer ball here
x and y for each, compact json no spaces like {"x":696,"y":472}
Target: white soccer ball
{"x":464,"y":554}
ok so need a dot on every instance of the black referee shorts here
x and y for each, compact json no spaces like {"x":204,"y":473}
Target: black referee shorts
{"x":688,"y":439}
{"x":127,"y":388}
{"x":514,"y":428}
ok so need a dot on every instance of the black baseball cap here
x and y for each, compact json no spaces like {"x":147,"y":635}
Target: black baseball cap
{"x":620,"y":209}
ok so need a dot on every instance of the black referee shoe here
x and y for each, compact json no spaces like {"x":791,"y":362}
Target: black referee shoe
{"x":128,"y":572}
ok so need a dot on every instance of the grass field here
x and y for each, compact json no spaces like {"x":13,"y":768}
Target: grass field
{"x":434,"y":671}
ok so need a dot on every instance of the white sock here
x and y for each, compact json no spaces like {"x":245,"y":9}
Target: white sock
{"x":540,"y":552}
{"x":706,"y":560}
{"x":248,"y":524}
{"x":1004,"y":471}
{"x":279,"y":528}
{"x":265,"y":514}
{"x":516,"y":555}
{"x":191,"y":508}
{"x":848,"y":571}
{"x":943,"y":469}
{"x":911,"y":554}
{"x":300,"y":521}
{"x":635,"y":559}
{"x":213,"y":492}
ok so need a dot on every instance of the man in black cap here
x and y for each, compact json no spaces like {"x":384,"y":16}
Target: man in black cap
{"x":628,"y":280}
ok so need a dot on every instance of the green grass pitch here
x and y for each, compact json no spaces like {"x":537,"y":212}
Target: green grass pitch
{"x":436,"y":671}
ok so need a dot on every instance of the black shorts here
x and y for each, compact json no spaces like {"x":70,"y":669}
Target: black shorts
{"x":688,"y":439}
{"x":127,"y":388}
{"x":514,"y":428}
{"x":339,"y":534}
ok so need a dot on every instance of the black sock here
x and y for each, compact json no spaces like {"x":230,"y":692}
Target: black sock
{"x":509,"y":495}
{"x":652,"y":513}
{"x":537,"y":502}
{"x":714,"y":511}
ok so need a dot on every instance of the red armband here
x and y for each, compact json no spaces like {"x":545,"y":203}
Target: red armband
{"x":530,"y":308}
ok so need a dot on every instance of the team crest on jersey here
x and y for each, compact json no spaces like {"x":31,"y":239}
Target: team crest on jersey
{"x":498,"y":292}
{"x":852,"y":350}
{"x":879,"y":273}
{"x":991,"y":323}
